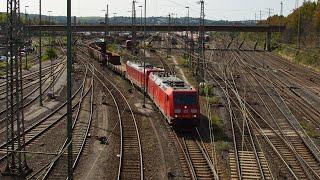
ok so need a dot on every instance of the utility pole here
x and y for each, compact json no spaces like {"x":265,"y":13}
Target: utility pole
{"x":16,"y":164}
{"x":26,"y":35}
{"x":141,"y":21}
{"x":40,"y":56}
{"x":144,"y":53}
{"x":187,"y":32}
{"x":134,"y":26}
{"x":299,"y":30}
{"x":107,"y":24}
{"x":169,"y":36}
{"x":255,"y":18}
{"x":74,"y":40}
{"x":269,"y":15}
{"x":51,"y":60}
{"x":201,"y":61}
{"x":260,"y":15}
{"x":114,"y":21}
{"x":281,"y":21}
{"x":281,"y":9}
{"x":69,"y":91}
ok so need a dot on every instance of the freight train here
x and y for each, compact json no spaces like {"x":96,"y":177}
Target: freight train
{"x":97,"y":50}
{"x":177,"y":101}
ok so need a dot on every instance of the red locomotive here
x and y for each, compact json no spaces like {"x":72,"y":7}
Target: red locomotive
{"x":176,"y":100}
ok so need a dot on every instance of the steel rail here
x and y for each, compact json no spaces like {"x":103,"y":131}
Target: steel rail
{"x":206,"y":155}
{"x":28,"y":76}
{"x":33,"y":91}
{"x":186,"y":156}
{"x":315,"y":151}
{"x":46,"y":173}
{"x":32,"y":83}
{"x":41,"y":121}
{"x":287,"y":142}
{"x":257,"y":125}
{"x":114,"y":87}
{"x":243,"y":110}
{"x":33,"y":73}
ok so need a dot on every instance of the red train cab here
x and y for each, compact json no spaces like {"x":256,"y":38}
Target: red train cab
{"x":135,"y":73}
{"x":178,"y":101}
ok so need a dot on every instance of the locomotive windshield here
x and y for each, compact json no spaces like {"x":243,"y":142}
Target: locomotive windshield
{"x":185,"y":99}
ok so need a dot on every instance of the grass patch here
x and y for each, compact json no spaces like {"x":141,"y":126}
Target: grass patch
{"x":29,"y":65}
{"x":50,"y":53}
{"x":216,"y":120}
{"x":2,"y":64}
{"x":111,"y":47}
{"x":213,"y":100}
{"x":2,"y":73}
{"x":307,"y":56}
{"x":222,"y":145}
{"x":145,"y":123}
{"x":206,"y":90}
{"x":310,"y":129}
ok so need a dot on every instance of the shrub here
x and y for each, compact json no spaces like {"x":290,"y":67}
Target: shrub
{"x":50,"y":53}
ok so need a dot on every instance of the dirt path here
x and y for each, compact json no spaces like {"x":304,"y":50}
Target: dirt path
{"x":174,"y":60}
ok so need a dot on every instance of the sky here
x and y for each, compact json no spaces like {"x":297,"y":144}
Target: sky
{"x":214,"y":9}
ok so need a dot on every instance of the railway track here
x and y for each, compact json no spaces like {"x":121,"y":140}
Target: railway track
{"x":289,"y":156}
{"x":194,"y":158}
{"x":130,"y":155}
{"x":307,"y":101}
{"x":247,"y":160}
{"x":80,"y":130}
{"x":57,"y":73}
{"x":32,"y":75}
{"x":29,"y":81}
{"x":299,"y":144}
{"x":42,"y":126}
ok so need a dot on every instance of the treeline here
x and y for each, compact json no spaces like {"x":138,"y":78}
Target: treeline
{"x":34,"y":19}
{"x":304,"y":21}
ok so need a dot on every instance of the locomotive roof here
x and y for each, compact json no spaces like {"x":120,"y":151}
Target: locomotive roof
{"x":166,"y":80}
{"x":139,"y":66}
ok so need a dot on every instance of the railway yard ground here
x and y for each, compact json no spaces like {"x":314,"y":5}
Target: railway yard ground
{"x":260,"y":117}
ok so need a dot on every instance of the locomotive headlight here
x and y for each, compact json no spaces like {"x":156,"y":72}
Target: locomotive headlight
{"x":175,"y":116}
{"x":185,"y":107}
{"x":195,"y":116}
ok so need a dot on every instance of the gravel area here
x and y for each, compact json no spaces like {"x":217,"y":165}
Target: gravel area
{"x":159,"y":153}
{"x":46,"y":143}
